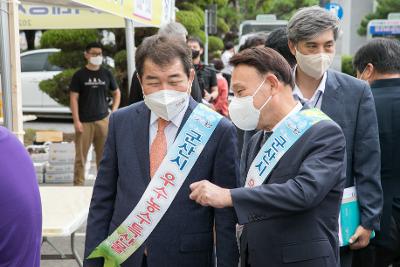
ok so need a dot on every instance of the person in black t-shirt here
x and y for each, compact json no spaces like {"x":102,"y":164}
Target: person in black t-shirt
{"x":207,"y":76}
{"x":88,"y":101}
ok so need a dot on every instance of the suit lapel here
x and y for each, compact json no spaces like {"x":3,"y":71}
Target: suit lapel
{"x":332,"y":100}
{"x":141,"y":130}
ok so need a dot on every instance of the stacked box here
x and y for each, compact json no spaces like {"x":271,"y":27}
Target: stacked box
{"x":60,"y":168}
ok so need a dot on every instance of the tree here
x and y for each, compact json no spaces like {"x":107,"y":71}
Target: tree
{"x":382,"y":10}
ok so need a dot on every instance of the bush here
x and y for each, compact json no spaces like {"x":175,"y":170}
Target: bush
{"x":58,"y":87}
{"x":69,"y":40}
{"x":347,"y":65}
{"x":215,"y":44}
{"x":190,"y":20}
{"x":68,"y":59}
{"x":120,"y":60}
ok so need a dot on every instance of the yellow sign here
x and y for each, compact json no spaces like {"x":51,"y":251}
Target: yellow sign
{"x":148,"y":12}
{"x":38,"y":17}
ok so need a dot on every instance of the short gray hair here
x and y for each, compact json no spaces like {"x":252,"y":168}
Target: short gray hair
{"x":173,"y":30}
{"x":308,"y":22}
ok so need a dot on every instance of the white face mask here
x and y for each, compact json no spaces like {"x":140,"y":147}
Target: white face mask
{"x":97,"y":61}
{"x":243,"y":113}
{"x":166,"y":103}
{"x":314,"y":65}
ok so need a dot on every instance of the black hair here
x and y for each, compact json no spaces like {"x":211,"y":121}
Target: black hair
{"x":383,"y":54}
{"x":93,"y":45}
{"x":278,"y":40}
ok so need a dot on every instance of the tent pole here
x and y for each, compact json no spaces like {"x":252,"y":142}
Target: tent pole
{"x":5,"y":65}
{"x":130,"y":50}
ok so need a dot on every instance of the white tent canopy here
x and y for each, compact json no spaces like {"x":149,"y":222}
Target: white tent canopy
{"x":144,"y":13}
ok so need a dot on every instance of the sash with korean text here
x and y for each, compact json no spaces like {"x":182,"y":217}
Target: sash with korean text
{"x":161,"y":191}
{"x":287,"y":133}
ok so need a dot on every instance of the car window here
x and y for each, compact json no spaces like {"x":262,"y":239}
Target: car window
{"x":51,"y":67}
{"x":34,"y":62}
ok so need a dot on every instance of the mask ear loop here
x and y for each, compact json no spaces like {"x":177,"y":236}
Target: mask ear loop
{"x":268,"y":99}
{"x":362,"y":73}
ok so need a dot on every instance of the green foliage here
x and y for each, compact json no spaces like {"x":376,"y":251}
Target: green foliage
{"x":201,"y":35}
{"x":120,"y":60}
{"x":67,"y":60}
{"x":347,"y":65}
{"x":189,"y":19}
{"x":284,"y":9}
{"x":222,"y":25}
{"x":58,"y":87}
{"x":68,"y":40}
{"x":382,"y":10}
{"x":215,"y":44}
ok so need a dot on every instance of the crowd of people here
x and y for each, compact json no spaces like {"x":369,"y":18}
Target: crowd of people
{"x":188,"y":177}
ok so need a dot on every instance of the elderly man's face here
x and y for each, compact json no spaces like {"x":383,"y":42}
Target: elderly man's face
{"x":322,"y":43}
{"x":170,"y":77}
{"x":246,"y":80}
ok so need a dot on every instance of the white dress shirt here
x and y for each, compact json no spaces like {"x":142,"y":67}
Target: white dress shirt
{"x":316,"y":100}
{"x":170,"y":131}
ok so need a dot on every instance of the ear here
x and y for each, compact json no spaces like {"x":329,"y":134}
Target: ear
{"x":273,"y":82}
{"x":292,"y":48}
{"x":369,"y":72}
{"x":201,"y":51}
{"x":191,"y":76}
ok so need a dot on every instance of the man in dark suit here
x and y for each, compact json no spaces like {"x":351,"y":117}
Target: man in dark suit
{"x":172,"y":30}
{"x":139,"y":137}
{"x":290,"y":219}
{"x":378,"y":62}
{"x":312,"y":33}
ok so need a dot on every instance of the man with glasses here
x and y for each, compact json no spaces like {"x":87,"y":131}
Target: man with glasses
{"x":88,"y":101}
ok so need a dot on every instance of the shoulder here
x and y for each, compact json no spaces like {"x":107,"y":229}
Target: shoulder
{"x":79,"y":72}
{"x":129,"y":112}
{"x":327,"y":130}
{"x":349,"y":84}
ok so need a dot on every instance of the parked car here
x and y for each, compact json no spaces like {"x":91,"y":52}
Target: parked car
{"x":35,"y":67}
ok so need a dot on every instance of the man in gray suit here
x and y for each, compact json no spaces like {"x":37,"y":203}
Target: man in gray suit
{"x":312,"y":33}
{"x":140,"y":137}
{"x":291,"y":217}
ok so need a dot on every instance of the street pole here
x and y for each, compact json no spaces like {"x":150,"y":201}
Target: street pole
{"x":206,"y":31}
{"x":5,"y":65}
{"x":130,"y":50}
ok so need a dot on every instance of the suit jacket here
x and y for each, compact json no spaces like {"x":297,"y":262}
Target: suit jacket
{"x":136,"y":93}
{"x":292,"y":219}
{"x":349,"y":102}
{"x":184,"y":236}
{"x":387,"y":98}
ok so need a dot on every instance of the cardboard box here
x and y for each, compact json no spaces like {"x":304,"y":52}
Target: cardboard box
{"x":60,"y":153}
{"x":40,"y":166}
{"x":59,"y":168}
{"x":40,"y":177}
{"x":49,"y":136}
{"x":38,"y":153}
{"x":59,"y":178}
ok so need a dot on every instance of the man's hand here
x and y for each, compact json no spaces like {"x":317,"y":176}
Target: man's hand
{"x":360,"y":239}
{"x":208,"y":194}
{"x":78,"y":127}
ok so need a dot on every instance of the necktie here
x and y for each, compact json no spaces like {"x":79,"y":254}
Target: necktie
{"x":265,"y":137}
{"x":158,"y":148}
